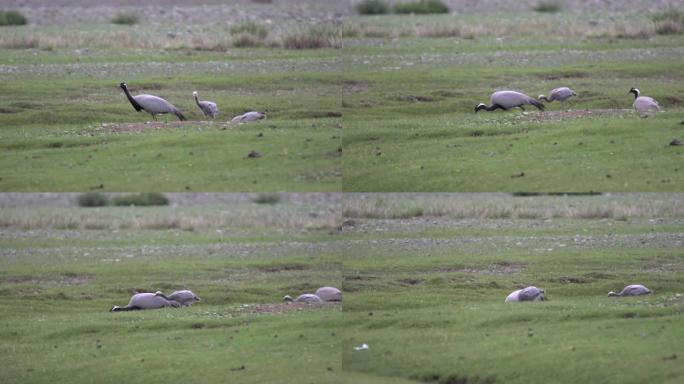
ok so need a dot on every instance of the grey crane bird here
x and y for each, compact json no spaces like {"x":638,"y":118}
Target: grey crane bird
{"x":141,"y":301}
{"x":530,"y":293}
{"x":184,"y":297}
{"x":248,"y":117}
{"x":644,"y":104}
{"x":329,"y":294}
{"x":305,"y":298}
{"x":559,"y":94}
{"x":153,"y":105}
{"x":632,"y":290}
{"x":509,"y":99}
{"x":209,"y":108}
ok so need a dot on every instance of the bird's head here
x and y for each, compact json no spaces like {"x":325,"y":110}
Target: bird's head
{"x":541,"y":97}
{"x":287,"y":299}
{"x":196,"y":298}
{"x":611,"y":293}
{"x":635,"y":91}
{"x":194,"y":94}
{"x":479,"y":106}
{"x":114,"y":308}
{"x":122,"y":85}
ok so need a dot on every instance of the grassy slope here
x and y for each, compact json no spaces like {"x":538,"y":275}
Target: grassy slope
{"x":53,"y":137}
{"x":431,"y":308}
{"x":394,"y":143}
{"x":55,"y":299}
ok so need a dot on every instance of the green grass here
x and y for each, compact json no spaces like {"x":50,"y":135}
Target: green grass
{"x":56,"y":326}
{"x":125,"y":19}
{"x":75,"y":135}
{"x":431,"y":307}
{"x":410,"y":124}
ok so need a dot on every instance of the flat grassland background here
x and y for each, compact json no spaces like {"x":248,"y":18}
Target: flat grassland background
{"x":414,"y":81}
{"x":64,"y":267}
{"x":425,"y":279}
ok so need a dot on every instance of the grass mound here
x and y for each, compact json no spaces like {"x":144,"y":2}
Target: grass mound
{"x":12,"y":18}
{"x":125,"y":19}
{"x":372,"y":7}
{"x":547,"y":7}
{"x":141,"y":199}
{"x":93,"y":199}
{"x":422,"y":7}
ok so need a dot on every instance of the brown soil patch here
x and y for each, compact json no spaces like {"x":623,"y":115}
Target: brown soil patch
{"x":62,"y":280}
{"x":497,"y":268}
{"x":284,"y":307}
{"x":572,"y":114}
{"x":356,"y":86}
{"x":151,"y":125}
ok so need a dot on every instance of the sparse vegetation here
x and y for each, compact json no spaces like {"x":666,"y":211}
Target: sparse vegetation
{"x":421,"y":7}
{"x":250,"y":28}
{"x":547,"y":7}
{"x":141,"y":199}
{"x":372,"y":7}
{"x":669,"y":22}
{"x":93,"y":199}
{"x":125,"y":19}
{"x":267,"y":198}
{"x":12,"y":17}
{"x":316,"y":37}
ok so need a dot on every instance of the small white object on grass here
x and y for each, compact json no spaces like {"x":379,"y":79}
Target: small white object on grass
{"x":363,"y":347}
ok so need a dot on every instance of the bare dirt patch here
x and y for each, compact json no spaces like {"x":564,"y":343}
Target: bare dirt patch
{"x":283,"y":307}
{"x":152,"y":126}
{"x":572,"y":114}
{"x":497,"y":268}
{"x":61,"y":280}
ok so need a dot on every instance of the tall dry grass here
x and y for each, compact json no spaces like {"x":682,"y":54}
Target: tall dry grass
{"x":457,"y":206}
{"x":269,"y":218}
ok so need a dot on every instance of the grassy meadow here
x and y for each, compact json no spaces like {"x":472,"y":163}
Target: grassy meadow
{"x":414,"y":81}
{"x":64,"y":267}
{"x":66,"y":126}
{"x":425,"y":288}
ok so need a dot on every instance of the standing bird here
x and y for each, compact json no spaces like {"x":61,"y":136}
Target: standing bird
{"x":151,"y":104}
{"x":644,"y":104}
{"x":559,"y":94}
{"x":141,"y":301}
{"x":305,"y":298}
{"x":509,"y":99}
{"x":329,"y":294}
{"x":526,"y":294}
{"x":248,"y":117}
{"x":184,"y":297}
{"x":632,"y":290}
{"x":209,"y":108}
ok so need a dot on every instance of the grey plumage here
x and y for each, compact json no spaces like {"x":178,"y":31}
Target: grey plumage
{"x":209,"y":108}
{"x":153,"y":105}
{"x":248,"y":117}
{"x":184,"y":297}
{"x":644,"y":104}
{"x":558,"y":94}
{"x":509,"y":99}
{"x":530,"y":293}
{"x":329,"y":294}
{"x":305,"y":298}
{"x":632,"y":290}
{"x":141,"y":301}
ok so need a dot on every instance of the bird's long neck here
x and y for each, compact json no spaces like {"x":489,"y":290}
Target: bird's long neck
{"x":542,"y":97}
{"x":197,"y":101}
{"x":636,"y":94}
{"x":131,"y":99}
{"x":491,"y":107}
